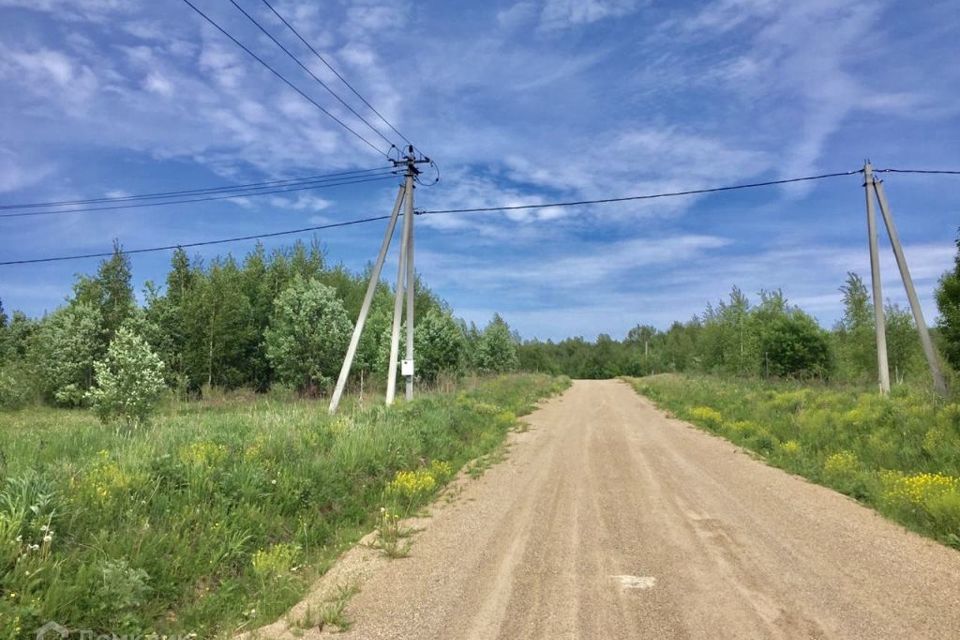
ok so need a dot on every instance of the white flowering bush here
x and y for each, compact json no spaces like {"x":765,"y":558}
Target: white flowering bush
{"x":129,"y":381}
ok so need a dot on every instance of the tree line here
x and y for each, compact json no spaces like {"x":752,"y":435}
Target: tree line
{"x":768,"y":337}
{"x":285,"y":318}
{"x":278,"y":318}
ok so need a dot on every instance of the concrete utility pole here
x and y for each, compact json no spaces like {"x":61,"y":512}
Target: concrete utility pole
{"x":407,"y":367}
{"x":402,"y":272}
{"x":939,"y":383}
{"x":365,"y":307}
{"x":405,"y":283}
{"x":883,"y":367}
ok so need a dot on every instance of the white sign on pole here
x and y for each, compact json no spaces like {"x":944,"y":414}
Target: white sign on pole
{"x":406,"y":367}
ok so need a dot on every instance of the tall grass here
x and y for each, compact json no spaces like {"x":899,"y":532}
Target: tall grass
{"x":899,"y":454}
{"x":220,"y":515}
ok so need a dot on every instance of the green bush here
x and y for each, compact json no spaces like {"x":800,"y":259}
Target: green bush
{"x":129,"y":381}
{"x":308,"y":335}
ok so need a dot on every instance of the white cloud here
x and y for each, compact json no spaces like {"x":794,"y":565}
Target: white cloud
{"x":302,"y":202}
{"x":559,"y":14}
{"x":157,"y":83}
{"x":17,"y":173}
{"x":578,"y":266}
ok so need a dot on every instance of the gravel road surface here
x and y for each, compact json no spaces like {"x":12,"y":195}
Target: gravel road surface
{"x":609,"y":520}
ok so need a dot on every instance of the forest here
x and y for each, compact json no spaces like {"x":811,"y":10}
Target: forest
{"x":277,"y":320}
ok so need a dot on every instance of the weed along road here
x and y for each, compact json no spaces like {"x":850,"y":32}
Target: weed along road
{"x":609,"y":520}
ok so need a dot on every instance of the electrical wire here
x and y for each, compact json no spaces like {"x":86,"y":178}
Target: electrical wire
{"x":439,"y":211}
{"x":190,"y":192}
{"x":652,"y":196}
{"x":205,"y":243}
{"x":284,"y":79}
{"x":311,"y":73}
{"x":139,"y":205}
{"x":927,"y":171}
{"x":436,"y":178}
{"x":335,"y":72}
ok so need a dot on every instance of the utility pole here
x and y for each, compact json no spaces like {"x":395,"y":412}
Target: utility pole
{"x":407,"y":366}
{"x":365,"y":307}
{"x":939,"y":383}
{"x":405,"y":275}
{"x":405,"y":271}
{"x":883,"y":368}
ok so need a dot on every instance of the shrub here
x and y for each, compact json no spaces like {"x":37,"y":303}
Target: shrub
{"x":129,"y":380}
{"x":16,"y":387}
{"x":496,"y":350}
{"x":121,"y":590}
{"x":308,"y":335}
{"x":795,"y":346}
{"x":440,"y":345}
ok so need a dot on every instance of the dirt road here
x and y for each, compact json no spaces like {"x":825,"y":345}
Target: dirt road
{"x":609,"y":520}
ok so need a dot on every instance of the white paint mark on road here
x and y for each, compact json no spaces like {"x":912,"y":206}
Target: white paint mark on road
{"x":636,"y":582}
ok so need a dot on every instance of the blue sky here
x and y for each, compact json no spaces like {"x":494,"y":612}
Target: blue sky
{"x":519,"y":102}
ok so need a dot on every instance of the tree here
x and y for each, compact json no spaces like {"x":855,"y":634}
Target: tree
{"x":794,"y":345}
{"x":220,"y":330}
{"x":439,"y":345}
{"x":129,"y":380}
{"x":19,"y":335}
{"x":308,"y":335}
{"x":856,"y":344}
{"x":496,"y":348}
{"x":729,"y":341}
{"x":110,"y":292}
{"x":904,"y":352}
{"x":64,"y":349}
{"x":948,"y":302}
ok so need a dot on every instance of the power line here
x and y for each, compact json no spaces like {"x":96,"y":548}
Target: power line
{"x":311,"y":73}
{"x":205,"y":243}
{"x":138,"y":205}
{"x":335,"y":72}
{"x":652,"y":196}
{"x":438,"y":211}
{"x":284,"y":79}
{"x":189,"y":192}
{"x":928,"y":171}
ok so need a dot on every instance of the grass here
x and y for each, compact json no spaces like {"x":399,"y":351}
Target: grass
{"x":332,"y":611}
{"x":219,"y":516}
{"x":899,"y":454}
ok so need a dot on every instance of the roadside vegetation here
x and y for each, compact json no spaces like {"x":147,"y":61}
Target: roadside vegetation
{"x":218,"y":516}
{"x":169,"y":467}
{"x":899,"y":454}
{"x":769,"y":379}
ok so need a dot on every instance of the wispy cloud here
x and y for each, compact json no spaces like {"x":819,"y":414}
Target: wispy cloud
{"x":521,"y":103}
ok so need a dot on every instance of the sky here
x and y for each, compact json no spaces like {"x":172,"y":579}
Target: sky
{"x":523,"y":102}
